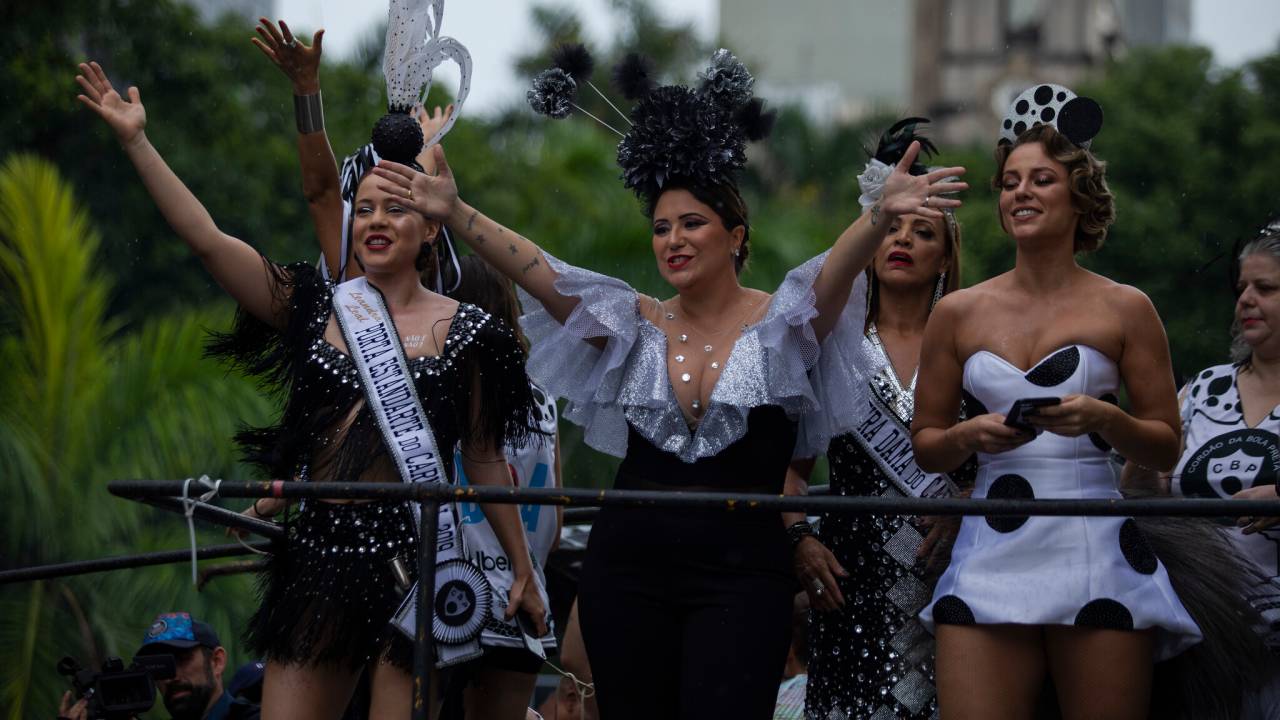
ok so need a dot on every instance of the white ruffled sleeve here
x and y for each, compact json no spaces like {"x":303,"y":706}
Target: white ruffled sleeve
{"x":841,"y":379}
{"x":567,"y":365}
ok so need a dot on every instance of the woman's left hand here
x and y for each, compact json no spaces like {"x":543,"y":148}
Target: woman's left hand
{"x":297,"y":60}
{"x":920,"y":194}
{"x":1076,"y":415}
{"x":432,"y":195}
{"x":524,"y":597}
{"x":1251,"y":525}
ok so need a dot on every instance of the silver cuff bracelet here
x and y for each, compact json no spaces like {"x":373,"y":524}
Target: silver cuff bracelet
{"x":308,"y":111}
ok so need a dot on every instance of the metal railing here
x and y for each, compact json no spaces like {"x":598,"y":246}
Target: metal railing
{"x":582,"y":504}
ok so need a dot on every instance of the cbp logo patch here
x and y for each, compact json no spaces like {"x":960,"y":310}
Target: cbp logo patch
{"x":462,"y":603}
{"x":1232,"y":462}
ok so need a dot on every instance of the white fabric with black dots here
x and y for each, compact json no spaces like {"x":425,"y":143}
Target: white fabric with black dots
{"x":1082,"y":571}
{"x":1221,"y":456}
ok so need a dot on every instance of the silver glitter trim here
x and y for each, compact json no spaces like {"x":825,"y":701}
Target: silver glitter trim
{"x":913,"y":691}
{"x":885,"y":380}
{"x":884,"y":713}
{"x":909,"y":594}
{"x":904,"y":544}
{"x":627,"y":382}
{"x":912,"y":642}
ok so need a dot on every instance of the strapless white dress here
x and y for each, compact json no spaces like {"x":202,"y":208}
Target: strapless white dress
{"x":1085,"y":571}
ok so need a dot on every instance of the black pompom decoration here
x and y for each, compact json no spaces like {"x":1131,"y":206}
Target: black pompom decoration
{"x":633,"y":76}
{"x":574,"y":59}
{"x":398,"y":137}
{"x":895,"y":141}
{"x":755,"y":121}
{"x":679,"y":133}
{"x":552,"y":93}
{"x":727,"y":80}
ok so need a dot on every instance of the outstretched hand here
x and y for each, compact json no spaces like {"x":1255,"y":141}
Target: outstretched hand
{"x":126,"y":117}
{"x":920,"y":194}
{"x":431,"y":122}
{"x":432,"y":195}
{"x":298,"y":61}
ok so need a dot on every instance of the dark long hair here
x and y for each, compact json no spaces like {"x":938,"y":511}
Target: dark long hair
{"x":491,"y":291}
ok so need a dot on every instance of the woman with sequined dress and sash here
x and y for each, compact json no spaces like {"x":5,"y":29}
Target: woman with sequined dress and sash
{"x":333,"y":584}
{"x":685,"y":613}
{"x":497,"y":684}
{"x":868,"y":576}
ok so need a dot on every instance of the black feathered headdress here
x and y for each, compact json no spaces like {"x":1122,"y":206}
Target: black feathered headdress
{"x":888,"y":153}
{"x":678,"y":133}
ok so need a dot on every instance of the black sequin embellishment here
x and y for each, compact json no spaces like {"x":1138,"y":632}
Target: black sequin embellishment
{"x":951,"y":610}
{"x":1133,"y":543}
{"x":1095,"y":438}
{"x":1012,"y":487}
{"x":1105,"y":614}
{"x":1055,"y":369}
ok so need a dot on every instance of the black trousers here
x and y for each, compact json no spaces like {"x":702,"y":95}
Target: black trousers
{"x":686,"y":614}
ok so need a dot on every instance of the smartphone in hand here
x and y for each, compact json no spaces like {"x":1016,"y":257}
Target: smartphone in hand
{"x":1024,"y":408}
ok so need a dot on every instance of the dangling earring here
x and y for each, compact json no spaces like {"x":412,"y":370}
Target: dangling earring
{"x":939,"y":288}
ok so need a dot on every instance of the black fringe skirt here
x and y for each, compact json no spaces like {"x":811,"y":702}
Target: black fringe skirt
{"x":329,"y":591}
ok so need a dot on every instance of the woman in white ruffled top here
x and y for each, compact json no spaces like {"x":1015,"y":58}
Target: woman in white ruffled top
{"x":686,"y":613}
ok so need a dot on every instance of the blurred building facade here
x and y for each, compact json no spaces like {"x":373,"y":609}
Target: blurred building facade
{"x":960,"y":62}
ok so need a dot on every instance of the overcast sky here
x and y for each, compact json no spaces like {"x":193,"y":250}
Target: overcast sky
{"x":495,"y":31}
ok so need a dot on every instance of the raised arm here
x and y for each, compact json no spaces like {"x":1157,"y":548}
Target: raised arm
{"x":857,"y":245}
{"x":238,"y":268}
{"x":320,"y":183}
{"x":515,"y":256}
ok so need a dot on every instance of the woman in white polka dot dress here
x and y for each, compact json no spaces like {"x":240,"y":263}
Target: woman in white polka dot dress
{"x":1028,"y":597}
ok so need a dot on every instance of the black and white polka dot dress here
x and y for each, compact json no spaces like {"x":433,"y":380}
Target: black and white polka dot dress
{"x":1085,"y":571}
{"x":1223,"y":455}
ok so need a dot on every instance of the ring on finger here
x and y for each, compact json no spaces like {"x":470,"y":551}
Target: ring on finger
{"x":818,"y":587}
{"x":926,"y":201}
{"x":292,"y":43}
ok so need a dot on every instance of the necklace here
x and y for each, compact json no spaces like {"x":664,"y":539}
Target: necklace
{"x":707,"y":348}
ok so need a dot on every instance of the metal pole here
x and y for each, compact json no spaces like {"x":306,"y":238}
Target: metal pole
{"x":733,"y":502}
{"x":84,"y":567}
{"x":423,"y":646}
{"x":219,"y":516}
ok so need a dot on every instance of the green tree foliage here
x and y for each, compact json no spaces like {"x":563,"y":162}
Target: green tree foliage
{"x":81,"y":404}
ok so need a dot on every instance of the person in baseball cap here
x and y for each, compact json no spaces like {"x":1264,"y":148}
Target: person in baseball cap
{"x":195,"y":692}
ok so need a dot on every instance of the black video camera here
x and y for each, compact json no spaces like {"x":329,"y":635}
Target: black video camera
{"x":117,"y":692}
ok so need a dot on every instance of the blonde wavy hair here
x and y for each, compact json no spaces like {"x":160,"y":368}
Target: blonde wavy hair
{"x":1086,"y":176}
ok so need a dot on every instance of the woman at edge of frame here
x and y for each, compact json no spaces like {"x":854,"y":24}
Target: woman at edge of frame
{"x":1231,"y":415}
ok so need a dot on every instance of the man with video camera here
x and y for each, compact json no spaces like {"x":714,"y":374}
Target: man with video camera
{"x":194,"y":691}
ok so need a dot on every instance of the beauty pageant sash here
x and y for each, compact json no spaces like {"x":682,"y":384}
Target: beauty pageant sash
{"x":888,"y":441}
{"x":463,"y":597}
